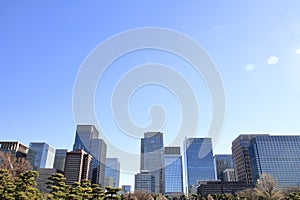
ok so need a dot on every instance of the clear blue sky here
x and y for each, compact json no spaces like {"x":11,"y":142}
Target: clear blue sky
{"x":255,"y":46}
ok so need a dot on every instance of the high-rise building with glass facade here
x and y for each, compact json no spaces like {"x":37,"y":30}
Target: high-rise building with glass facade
{"x":223,"y":162}
{"x":112,"y":170}
{"x":41,"y":155}
{"x":278,"y":156}
{"x":60,"y":159}
{"x":173,"y":177}
{"x":152,"y":158}
{"x":87,"y":138}
{"x":144,"y":181}
{"x":199,"y":161}
{"x":240,"y":154}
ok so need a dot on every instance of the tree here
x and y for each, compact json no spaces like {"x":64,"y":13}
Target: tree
{"x":58,"y":188}
{"x":140,"y":195}
{"x":26,"y":186}
{"x":248,"y":194}
{"x":266,"y":187}
{"x":86,"y":190}
{"x":7,"y":187}
{"x":112,"y":193}
{"x":97,"y":192}
{"x":14,"y":165}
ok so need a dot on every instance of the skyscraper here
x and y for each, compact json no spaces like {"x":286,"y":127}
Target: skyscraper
{"x":223,"y":162}
{"x":198,"y":155}
{"x":144,"y":181}
{"x":112,"y":170}
{"x":60,"y":158}
{"x":77,"y":166}
{"x":87,"y":138}
{"x":15,"y":148}
{"x":173,"y":178}
{"x":152,"y":157}
{"x":240,"y":154}
{"x":278,"y":156}
{"x":41,"y":155}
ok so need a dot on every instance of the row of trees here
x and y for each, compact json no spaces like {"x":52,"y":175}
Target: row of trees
{"x":24,"y":187}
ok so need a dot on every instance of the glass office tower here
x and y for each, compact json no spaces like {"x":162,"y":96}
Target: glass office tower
{"x":41,"y":155}
{"x":223,"y":162}
{"x":240,"y":154}
{"x":199,"y":161}
{"x":112,"y":170}
{"x":152,"y":157}
{"x":278,"y":156}
{"x":87,"y":139}
{"x":173,"y":178}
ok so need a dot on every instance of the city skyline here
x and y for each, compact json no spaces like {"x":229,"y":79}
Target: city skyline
{"x":255,"y":47}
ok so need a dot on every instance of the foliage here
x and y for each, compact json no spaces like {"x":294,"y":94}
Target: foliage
{"x":7,"y":186}
{"x":293,"y":196}
{"x":112,"y":193}
{"x":57,"y":186}
{"x":26,"y":186}
{"x":266,"y":187}
{"x":97,"y":192}
{"x":15,"y":166}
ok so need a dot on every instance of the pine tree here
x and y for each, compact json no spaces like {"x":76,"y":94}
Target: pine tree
{"x":86,"y":189}
{"x":112,"y":193}
{"x":7,"y":187}
{"x":97,"y":192}
{"x":26,"y":186}
{"x":58,"y":188}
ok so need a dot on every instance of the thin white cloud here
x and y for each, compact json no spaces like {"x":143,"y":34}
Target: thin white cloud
{"x":298,"y":51}
{"x":272,"y":60}
{"x":250,"y":67}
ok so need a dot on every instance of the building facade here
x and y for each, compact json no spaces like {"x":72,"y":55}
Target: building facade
{"x":144,"y":181}
{"x":17,"y":149}
{"x":199,"y":161}
{"x":173,"y":173}
{"x":78,"y":166}
{"x":112,"y":170}
{"x":278,"y":156}
{"x":87,"y":138}
{"x":126,"y":189}
{"x":229,"y":175}
{"x":152,"y":158}
{"x":240,"y":154}
{"x":41,"y":155}
{"x":223,"y":162}
{"x":60,"y":159}
{"x":217,"y":187}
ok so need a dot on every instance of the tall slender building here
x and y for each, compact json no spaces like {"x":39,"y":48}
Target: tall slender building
{"x":152,"y":158}
{"x":41,"y":155}
{"x":112,"y":170}
{"x":223,"y":162}
{"x":240,"y":153}
{"x":278,"y":156}
{"x":173,"y":177}
{"x":60,"y":159}
{"x":198,"y":155}
{"x":87,"y":138}
{"x":77,"y":166}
